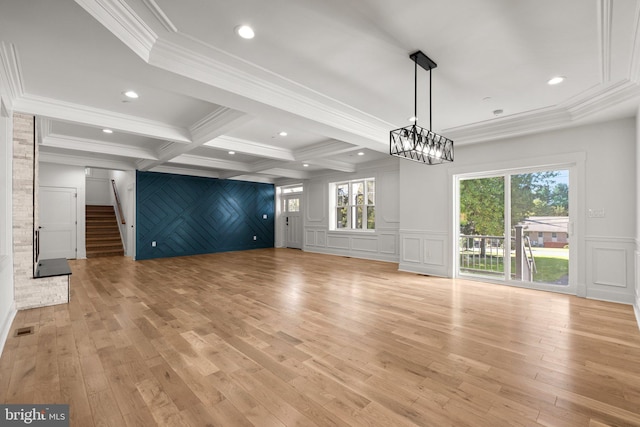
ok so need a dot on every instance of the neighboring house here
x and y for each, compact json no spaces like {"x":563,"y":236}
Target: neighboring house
{"x":547,"y":231}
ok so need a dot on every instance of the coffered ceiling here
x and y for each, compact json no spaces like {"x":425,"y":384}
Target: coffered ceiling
{"x":335,"y":75}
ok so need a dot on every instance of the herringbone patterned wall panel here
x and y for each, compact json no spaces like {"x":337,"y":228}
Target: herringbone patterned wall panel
{"x":188,"y":215}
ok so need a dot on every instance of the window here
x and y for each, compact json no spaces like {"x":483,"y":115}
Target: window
{"x":295,"y":189}
{"x":353,"y":205}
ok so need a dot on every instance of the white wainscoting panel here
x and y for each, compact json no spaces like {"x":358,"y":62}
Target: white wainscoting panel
{"x":388,"y":243}
{"x":610,"y":269}
{"x":410,"y":249}
{"x":310,"y":237}
{"x":365,"y":244}
{"x":424,"y":252}
{"x":376,"y":246}
{"x":321,"y":238}
{"x":338,"y":242}
{"x":434,"y":252}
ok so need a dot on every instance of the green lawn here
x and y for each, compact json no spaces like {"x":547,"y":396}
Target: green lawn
{"x":549,"y":269}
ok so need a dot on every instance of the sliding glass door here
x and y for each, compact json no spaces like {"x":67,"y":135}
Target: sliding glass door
{"x":515,"y":226}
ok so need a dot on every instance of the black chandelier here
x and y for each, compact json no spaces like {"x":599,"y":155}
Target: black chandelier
{"x":414,"y":142}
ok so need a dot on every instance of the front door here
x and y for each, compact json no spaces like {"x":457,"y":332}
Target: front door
{"x":57,"y":216}
{"x":293,"y":221}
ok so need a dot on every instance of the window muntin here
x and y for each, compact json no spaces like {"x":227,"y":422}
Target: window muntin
{"x":354,"y":204}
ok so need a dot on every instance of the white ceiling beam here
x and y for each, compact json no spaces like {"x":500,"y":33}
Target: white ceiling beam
{"x":333,"y":165}
{"x":76,"y":113}
{"x":187,"y":57}
{"x":185,"y":171}
{"x":286,"y":173}
{"x":250,"y":147}
{"x":324,"y":149}
{"x":84,"y":161}
{"x":94,"y":146}
{"x":605,"y":17}
{"x":11,"y":84}
{"x":217,"y":123}
{"x":190,"y":160}
{"x":119,"y":18}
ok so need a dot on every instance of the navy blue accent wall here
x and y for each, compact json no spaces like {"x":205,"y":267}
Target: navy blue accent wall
{"x":187,"y":215}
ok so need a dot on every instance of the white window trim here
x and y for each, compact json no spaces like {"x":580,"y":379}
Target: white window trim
{"x":333,"y":205}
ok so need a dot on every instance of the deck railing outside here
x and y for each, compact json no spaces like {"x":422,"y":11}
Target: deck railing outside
{"x":484,"y":255}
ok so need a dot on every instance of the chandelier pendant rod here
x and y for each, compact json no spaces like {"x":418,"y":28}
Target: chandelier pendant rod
{"x":430,"y":109}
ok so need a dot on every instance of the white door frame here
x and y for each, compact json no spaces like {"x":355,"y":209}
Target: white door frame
{"x":292,"y":220}
{"x":575,"y":163}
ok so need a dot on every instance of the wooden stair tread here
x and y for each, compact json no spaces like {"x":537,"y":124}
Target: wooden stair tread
{"x":102,"y":232}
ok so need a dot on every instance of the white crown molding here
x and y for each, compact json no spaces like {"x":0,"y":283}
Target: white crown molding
{"x":333,"y":165}
{"x":327,"y":148}
{"x":190,"y":160}
{"x":11,"y":84}
{"x":95,"y":146}
{"x":185,"y":171}
{"x":589,"y":103}
{"x":61,"y":110}
{"x":266,"y":165}
{"x":258,"y":84}
{"x":160,"y":15}
{"x":44,"y":127}
{"x":217,"y":123}
{"x":601,"y":98}
{"x":286,"y":173}
{"x":250,"y":147}
{"x":605,"y":17}
{"x":634,"y":67}
{"x":252,"y":178}
{"x":119,"y":18}
{"x":84,"y":161}
{"x":509,"y":126}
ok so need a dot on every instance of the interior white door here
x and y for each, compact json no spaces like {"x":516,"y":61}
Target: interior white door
{"x":293,"y":221}
{"x":57,"y":222}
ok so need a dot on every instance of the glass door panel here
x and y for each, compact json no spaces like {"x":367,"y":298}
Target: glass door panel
{"x":481,"y":238}
{"x":540,"y":227}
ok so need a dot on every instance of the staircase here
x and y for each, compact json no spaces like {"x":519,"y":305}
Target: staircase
{"x":102,"y":232}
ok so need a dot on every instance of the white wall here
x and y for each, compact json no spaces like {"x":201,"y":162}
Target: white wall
{"x":605,"y":156}
{"x":637,"y":263}
{"x":381,"y":244}
{"x":55,"y":175}
{"x":98,"y":187}
{"x":126,"y":185}
{"x":7,"y":303}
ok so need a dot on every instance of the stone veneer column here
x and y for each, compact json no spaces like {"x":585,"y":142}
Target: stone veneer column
{"x":29,"y":292}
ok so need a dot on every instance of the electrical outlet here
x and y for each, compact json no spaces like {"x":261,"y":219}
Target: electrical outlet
{"x":255,"y":237}
{"x":153,"y":244}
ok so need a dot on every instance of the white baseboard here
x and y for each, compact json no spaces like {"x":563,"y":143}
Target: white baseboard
{"x":6,"y":326}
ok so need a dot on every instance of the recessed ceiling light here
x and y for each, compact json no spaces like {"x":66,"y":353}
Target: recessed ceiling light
{"x":556,"y":80}
{"x":498,"y":112}
{"x":283,"y":133}
{"x":360,"y":153}
{"x":306,"y":165}
{"x":245,"y":31}
{"x":131,"y":94}
{"x":232,"y":152}
{"x":107,"y":131}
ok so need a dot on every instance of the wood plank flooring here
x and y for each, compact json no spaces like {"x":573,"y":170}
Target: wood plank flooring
{"x":279,"y":337}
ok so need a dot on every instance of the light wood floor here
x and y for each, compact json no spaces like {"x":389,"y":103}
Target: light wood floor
{"x":280,"y":337}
